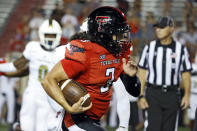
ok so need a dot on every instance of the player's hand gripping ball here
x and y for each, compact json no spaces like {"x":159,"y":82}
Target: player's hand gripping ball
{"x":73,"y":91}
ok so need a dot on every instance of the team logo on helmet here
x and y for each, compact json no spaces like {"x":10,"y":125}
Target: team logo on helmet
{"x":101,"y":20}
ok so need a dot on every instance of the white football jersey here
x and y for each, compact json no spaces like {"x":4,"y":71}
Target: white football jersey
{"x":41,"y":62}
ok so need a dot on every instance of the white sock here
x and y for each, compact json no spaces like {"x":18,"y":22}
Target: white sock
{"x":123,"y":103}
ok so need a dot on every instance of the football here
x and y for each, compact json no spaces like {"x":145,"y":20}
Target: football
{"x":73,"y":91}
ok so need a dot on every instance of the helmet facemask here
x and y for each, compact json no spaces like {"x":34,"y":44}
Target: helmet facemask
{"x":123,"y":40}
{"x":50,"y":41}
{"x":118,"y":42}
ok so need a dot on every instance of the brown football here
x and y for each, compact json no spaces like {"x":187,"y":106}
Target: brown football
{"x":73,"y":91}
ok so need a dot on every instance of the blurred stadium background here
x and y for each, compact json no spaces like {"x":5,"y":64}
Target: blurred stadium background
{"x":20,"y":19}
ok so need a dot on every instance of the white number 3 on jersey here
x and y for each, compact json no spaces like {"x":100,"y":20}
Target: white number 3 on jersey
{"x":109,"y":72}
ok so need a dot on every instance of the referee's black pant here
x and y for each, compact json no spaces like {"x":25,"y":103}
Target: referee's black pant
{"x":163,"y":108}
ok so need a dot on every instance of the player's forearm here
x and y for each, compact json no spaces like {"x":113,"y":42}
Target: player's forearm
{"x":186,"y":76}
{"x":18,"y":73}
{"x":53,"y":90}
{"x":17,"y":66}
{"x":21,"y":63}
{"x":50,"y":84}
{"x":142,"y":78}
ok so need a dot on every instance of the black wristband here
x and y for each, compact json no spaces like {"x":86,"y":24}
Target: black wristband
{"x":141,"y":96}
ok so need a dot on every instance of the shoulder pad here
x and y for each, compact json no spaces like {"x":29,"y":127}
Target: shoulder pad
{"x":75,"y":51}
{"x":31,"y":48}
{"x":32,"y":44}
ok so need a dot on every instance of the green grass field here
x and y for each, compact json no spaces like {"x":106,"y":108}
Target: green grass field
{"x":7,"y":127}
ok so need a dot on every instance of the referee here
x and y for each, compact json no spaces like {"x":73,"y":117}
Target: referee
{"x":162,"y":65}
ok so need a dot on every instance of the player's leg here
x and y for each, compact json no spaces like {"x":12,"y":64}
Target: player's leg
{"x":68,"y":124}
{"x":55,"y":116}
{"x":123,"y":105}
{"x":113,"y":112}
{"x":10,"y":105}
{"x":191,"y":110}
{"x":54,"y":120}
{"x":27,"y":112}
{"x":43,"y":110}
{"x":82,"y":121}
{"x":2,"y":101}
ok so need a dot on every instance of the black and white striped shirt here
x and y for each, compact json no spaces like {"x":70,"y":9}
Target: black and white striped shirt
{"x":164,"y":63}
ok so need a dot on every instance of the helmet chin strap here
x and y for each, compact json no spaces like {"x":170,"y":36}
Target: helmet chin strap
{"x":43,"y":47}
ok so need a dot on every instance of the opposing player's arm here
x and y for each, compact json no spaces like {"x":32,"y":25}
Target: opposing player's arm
{"x":19,"y":73}
{"x":20,"y":63}
{"x":17,"y":68}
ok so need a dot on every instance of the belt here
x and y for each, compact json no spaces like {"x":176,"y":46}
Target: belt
{"x":164,"y":88}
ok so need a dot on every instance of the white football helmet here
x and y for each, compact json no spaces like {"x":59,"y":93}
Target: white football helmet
{"x":50,"y":27}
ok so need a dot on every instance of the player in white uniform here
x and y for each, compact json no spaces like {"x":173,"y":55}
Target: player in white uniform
{"x":193,"y":96}
{"x":35,"y":104}
{"x":38,"y":58}
{"x":7,"y":96}
{"x":123,"y":104}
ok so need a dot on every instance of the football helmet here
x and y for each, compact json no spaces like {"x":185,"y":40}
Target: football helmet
{"x":110,"y":25}
{"x":50,"y":34}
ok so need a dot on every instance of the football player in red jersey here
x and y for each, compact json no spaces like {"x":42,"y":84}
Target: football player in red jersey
{"x":95,"y":59}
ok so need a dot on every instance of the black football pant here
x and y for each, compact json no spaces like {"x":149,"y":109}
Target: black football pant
{"x":163,"y":109}
{"x":82,"y":121}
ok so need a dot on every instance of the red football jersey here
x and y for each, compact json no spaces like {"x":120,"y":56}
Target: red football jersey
{"x":95,"y":68}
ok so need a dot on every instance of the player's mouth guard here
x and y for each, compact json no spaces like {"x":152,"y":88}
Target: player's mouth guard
{"x":85,"y":98}
{"x":65,"y":83}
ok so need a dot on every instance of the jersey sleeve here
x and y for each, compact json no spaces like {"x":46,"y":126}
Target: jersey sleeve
{"x":75,"y":51}
{"x":186,"y":64}
{"x":143,"y":62}
{"x":72,"y":68}
{"x":59,"y":53}
{"x":75,"y":59}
